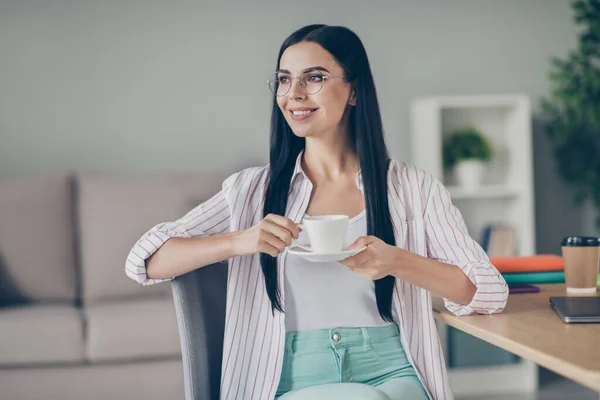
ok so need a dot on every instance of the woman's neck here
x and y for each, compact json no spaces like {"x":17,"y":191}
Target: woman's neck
{"x":329,"y":159}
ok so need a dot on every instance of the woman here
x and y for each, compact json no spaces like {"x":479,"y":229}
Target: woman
{"x":359,"y":329}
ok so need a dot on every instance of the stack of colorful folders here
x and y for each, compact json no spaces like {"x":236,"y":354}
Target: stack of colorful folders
{"x":543,"y":268}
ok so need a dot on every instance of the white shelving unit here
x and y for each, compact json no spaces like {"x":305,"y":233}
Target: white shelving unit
{"x":487,"y":192}
{"x":506,"y":196}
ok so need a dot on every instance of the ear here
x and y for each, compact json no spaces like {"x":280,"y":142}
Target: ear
{"x":352,"y":100}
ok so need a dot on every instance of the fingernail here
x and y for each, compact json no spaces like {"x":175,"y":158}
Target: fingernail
{"x":352,"y":246}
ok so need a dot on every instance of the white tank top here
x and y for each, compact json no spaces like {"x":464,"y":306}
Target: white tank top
{"x":324,"y":295}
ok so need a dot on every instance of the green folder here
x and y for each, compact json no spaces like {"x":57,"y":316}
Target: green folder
{"x":535,"y":277}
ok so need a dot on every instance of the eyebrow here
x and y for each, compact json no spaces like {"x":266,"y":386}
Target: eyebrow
{"x":317,"y":68}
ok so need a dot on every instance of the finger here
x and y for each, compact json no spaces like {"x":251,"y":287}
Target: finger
{"x":286,"y":223}
{"x":279,"y":231}
{"x":275,"y":242}
{"x":361,"y":258}
{"x":270,"y":250}
{"x":348,"y":262}
{"x":362,"y":242}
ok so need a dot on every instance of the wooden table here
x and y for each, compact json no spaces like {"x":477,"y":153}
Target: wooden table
{"x":531,"y":329}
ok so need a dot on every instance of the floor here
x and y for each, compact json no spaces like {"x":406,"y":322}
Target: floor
{"x":552,"y":387}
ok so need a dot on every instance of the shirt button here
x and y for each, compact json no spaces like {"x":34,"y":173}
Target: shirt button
{"x":337,"y":337}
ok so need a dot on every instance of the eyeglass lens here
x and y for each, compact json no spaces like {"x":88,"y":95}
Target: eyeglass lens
{"x":310,"y":83}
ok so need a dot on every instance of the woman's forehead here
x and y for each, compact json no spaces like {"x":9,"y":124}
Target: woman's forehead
{"x":305,"y":55}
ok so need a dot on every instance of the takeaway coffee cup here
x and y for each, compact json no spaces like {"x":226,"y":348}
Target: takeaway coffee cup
{"x":581,"y":256}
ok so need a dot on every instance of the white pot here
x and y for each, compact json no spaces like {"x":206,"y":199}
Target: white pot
{"x":469,"y":173}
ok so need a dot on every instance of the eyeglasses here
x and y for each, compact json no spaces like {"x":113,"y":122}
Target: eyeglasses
{"x":310,"y":82}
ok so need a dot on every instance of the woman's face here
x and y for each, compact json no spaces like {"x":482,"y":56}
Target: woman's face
{"x":319,"y":114}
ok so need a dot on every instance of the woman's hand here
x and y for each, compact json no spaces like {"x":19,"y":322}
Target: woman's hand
{"x":377,"y":261}
{"x":271,"y":235}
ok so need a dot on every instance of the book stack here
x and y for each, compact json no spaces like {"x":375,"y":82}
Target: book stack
{"x":499,"y":241}
{"x":542,"y":268}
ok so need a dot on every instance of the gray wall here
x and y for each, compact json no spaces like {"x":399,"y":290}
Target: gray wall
{"x":143,"y":86}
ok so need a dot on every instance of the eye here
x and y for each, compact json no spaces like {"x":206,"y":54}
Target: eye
{"x":283,"y":79}
{"x":314,"y":78}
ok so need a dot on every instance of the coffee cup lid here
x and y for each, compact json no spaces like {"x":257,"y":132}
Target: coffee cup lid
{"x":580,"y":241}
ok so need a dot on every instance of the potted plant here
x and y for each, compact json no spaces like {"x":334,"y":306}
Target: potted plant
{"x":465,"y":152}
{"x":573,"y":108}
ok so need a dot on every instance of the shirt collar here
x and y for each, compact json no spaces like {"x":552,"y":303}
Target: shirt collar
{"x":298,"y":168}
{"x":298,"y":171}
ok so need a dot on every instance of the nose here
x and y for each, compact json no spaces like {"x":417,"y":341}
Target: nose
{"x":296,"y":92}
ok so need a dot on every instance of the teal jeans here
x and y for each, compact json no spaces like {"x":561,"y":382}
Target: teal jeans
{"x":349,"y":364}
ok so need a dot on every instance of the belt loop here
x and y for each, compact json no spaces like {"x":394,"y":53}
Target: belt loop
{"x":365,"y":334}
{"x":290,"y":343}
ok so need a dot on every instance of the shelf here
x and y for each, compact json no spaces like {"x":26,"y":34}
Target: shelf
{"x":505,"y":197}
{"x":483,"y":192}
{"x":493,"y":101}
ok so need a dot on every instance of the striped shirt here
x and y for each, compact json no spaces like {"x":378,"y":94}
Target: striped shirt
{"x":424,"y":221}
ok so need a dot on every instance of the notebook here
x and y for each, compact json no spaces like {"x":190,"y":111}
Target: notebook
{"x":576,"y":309}
{"x":535,"y":277}
{"x":537,"y":263}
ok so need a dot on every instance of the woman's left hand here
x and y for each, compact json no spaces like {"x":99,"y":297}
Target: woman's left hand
{"x":377,"y":261}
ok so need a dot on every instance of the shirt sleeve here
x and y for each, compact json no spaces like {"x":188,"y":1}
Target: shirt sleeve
{"x":209,"y":218}
{"x":448,"y":241}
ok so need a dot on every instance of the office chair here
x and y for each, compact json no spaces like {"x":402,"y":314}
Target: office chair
{"x":200,"y":298}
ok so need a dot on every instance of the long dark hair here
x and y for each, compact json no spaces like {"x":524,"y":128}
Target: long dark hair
{"x":366,"y":136}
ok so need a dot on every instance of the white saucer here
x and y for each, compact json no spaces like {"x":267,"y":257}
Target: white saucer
{"x":323,"y":257}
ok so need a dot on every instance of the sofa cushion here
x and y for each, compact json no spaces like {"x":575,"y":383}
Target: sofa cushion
{"x":36,"y":238}
{"x":132,"y":329}
{"x":146,"y":380}
{"x":40,"y":334}
{"x":114,"y":212}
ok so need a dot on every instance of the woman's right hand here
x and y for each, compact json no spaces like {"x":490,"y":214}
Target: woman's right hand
{"x":271,"y":235}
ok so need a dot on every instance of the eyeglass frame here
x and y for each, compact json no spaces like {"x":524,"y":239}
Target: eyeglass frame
{"x":325,"y":78}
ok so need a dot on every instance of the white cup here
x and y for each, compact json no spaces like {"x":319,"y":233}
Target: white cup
{"x":326,"y":233}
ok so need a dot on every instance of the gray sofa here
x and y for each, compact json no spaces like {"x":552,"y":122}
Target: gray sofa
{"x":72,"y":325}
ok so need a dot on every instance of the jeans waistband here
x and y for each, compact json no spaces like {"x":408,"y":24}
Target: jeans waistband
{"x":326,"y":338}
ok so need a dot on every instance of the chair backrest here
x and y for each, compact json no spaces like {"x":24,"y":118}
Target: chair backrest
{"x":200,"y":298}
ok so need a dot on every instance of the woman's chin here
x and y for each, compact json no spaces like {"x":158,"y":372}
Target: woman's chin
{"x":301,"y":133}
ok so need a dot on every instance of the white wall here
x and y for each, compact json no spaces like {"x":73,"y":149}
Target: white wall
{"x":173,"y":86}
{"x":161,"y":85}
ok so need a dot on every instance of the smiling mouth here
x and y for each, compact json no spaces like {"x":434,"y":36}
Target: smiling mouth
{"x":303,"y":112}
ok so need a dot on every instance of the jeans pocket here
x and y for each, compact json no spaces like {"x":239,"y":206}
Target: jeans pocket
{"x":308,"y":369}
{"x":389,"y":351}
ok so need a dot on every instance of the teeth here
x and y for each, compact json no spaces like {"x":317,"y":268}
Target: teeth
{"x":301,"y":112}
